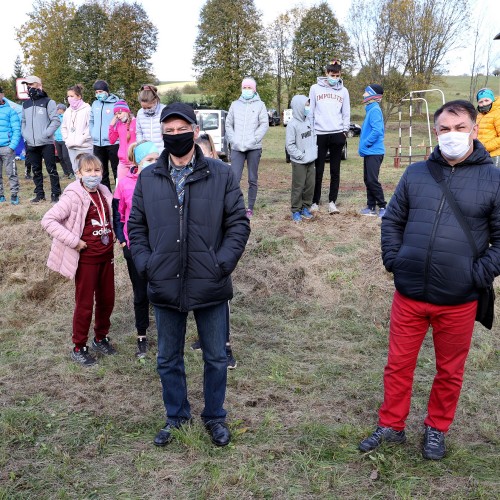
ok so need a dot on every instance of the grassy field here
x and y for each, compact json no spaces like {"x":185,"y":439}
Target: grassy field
{"x":309,"y":323}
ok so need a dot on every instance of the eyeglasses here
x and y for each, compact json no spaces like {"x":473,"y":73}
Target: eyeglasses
{"x":336,"y":61}
{"x":148,"y":87}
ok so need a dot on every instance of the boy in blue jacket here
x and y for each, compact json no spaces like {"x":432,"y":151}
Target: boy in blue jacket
{"x":301,"y":146}
{"x":371,"y":148}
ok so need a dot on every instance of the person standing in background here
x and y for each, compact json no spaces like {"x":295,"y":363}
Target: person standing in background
{"x":148,"y":126}
{"x":246,"y":124}
{"x":101,"y":115}
{"x":39,"y":122}
{"x":330,"y":116}
{"x":62,"y":150}
{"x":488,"y":121}
{"x":372,"y":150}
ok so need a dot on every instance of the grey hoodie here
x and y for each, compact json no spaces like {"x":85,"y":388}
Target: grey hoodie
{"x":246,"y":124}
{"x":300,"y":136}
{"x":330,"y":107}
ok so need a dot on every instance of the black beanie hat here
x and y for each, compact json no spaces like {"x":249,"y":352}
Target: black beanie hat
{"x":101,"y":85}
{"x":377,"y":88}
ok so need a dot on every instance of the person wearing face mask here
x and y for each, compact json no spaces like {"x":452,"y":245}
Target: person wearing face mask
{"x":488,"y":121}
{"x":187,"y":231}
{"x":101,"y":115}
{"x":140,"y":155}
{"x":436,"y":274}
{"x":122,"y":128}
{"x":82,"y":249}
{"x":246,"y":124}
{"x":330,"y":117}
{"x":372,"y":150}
{"x":148,"y":117}
{"x":38,"y":124}
{"x":75,"y":128}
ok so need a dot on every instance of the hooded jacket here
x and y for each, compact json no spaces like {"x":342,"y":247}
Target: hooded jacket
{"x":423,"y":244}
{"x":148,"y":128}
{"x":75,"y":128}
{"x":247,"y":123}
{"x":300,"y":137}
{"x":188,"y":259}
{"x":123,"y":194}
{"x":10,"y":127}
{"x":65,"y":222}
{"x":371,"y":140}
{"x":489,"y":128}
{"x":40,"y":120}
{"x":330,"y":107}
{"x":101,"y":115}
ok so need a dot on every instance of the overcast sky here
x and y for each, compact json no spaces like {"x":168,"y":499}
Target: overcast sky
{"x":178,"y":28}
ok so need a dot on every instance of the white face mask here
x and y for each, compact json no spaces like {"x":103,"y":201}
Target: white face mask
{"x":454,"y":145}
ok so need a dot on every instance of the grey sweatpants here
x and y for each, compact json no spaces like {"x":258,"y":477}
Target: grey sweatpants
{"x":237,"y":163}
{"x":7,"y":158}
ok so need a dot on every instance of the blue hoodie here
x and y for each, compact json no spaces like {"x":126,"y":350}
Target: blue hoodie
{"x":300,"y":136}
{"x":101,"y":115}
{"x":371,"y":140}
{"x":10,"y":126}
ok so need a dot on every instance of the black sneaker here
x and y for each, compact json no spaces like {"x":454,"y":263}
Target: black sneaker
{"x":434,"y":447}
{"x":142,"y":347}
{"x":103,"y":346}
{"x":83,"y":356}
{"x":196,"y":346}
{"x":37,"y":199}
{"x":54,"y":198}
{"x":381,"y":434}
{"x":231,"y":362}
{"x":28,"y":176}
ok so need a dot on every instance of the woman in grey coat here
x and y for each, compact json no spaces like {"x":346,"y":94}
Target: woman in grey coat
{"x":246,"y":124}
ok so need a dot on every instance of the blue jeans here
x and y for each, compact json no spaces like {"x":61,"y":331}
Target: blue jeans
{"x":212,"y":324}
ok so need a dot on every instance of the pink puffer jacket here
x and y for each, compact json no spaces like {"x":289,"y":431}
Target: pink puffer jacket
{"x":65,"y":222}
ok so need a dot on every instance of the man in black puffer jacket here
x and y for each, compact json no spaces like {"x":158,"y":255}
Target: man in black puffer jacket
{"x":187,"y":231}
{"x":436,"y":275}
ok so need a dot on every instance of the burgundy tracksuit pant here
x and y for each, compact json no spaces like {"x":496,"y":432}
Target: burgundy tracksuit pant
{"x":452,"y":328}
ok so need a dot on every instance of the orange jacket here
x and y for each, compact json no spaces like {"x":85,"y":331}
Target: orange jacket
{"x":489,"y":128}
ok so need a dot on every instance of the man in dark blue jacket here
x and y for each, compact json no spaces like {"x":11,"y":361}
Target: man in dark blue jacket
{"x":436,"y":275}
{"x":187,"y":230}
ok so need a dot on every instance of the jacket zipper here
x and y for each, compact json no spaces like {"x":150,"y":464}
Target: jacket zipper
{"x":433,"y":234}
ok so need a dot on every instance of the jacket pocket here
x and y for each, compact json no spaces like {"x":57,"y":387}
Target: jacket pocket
{"x":217,"y":268}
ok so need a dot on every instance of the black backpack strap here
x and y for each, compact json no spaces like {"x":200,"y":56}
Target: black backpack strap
{"x":437,"y":173}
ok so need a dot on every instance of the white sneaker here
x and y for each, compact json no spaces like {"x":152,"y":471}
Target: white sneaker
{"x":332,"y":209}
{"x":314,"y":207}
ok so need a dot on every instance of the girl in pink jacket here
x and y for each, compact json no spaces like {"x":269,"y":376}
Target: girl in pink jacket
{"x":123,"y":128}
{"x":141,"y":155}
{"x":82,"y":248}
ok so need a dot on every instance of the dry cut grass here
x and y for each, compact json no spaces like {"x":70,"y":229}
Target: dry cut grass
{"x":309,"y":323}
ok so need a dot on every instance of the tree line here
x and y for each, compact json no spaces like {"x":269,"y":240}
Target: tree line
{"x":401,"y":44}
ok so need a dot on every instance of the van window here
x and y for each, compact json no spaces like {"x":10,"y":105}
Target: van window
{"x":208,"y":121}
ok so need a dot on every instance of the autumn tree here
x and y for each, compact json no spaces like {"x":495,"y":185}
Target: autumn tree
{"x":319,"y":39}
{"x":230,"y":45}
{"x":44,"y":42}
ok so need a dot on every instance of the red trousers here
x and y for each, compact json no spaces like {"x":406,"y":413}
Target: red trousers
{"x":452,"y":328}
{"x":93,"y":280}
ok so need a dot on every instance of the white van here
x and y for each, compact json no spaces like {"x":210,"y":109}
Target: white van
{"x":213,"y":122}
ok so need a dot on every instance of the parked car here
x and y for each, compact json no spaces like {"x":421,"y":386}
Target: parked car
{"x":287,"y":116}
{"x":274,"y":117}
{"x":354,"y":130}
{"x":213,"y":121}
{"x":343,"y":157}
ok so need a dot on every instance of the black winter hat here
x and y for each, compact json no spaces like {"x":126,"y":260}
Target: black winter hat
{"x":378,"y":89}
{"x":101,"y":85}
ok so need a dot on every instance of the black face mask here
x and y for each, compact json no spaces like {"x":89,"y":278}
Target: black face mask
{"x":179,"y":144}
{"x":485,"y":109}
{"x":33,"y":92}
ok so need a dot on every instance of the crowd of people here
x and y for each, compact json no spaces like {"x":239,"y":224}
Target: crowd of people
{"x":180,"y":218}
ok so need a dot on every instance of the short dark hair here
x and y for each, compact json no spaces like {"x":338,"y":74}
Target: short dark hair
{"x":335,"y":65}
{"x":457,"y":107}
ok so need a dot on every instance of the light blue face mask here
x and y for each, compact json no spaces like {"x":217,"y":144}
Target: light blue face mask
{"x":333,"y":81}
{"x":101,"y":96}
{"x":306,"y":110}
{"x":247,"y":93}
{"x":91,"y":181}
